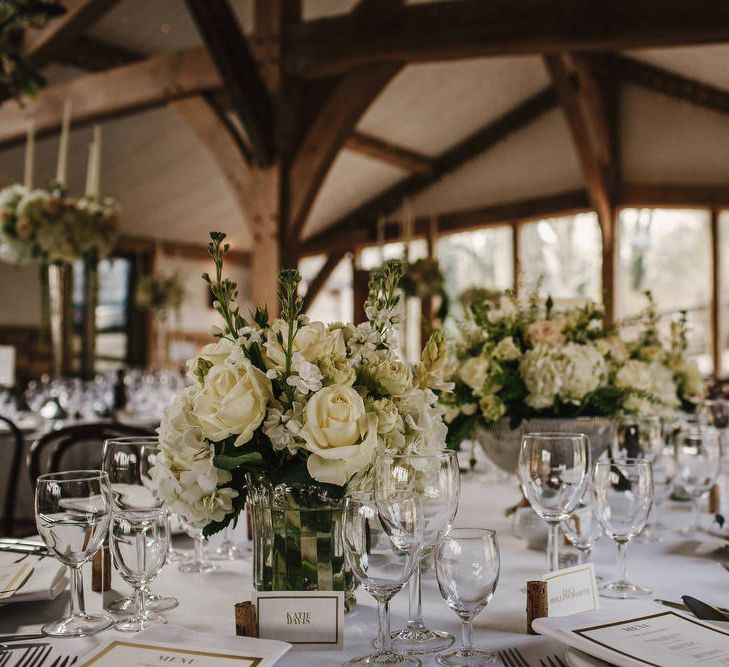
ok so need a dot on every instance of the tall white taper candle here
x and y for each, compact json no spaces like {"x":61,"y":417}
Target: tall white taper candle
{"x":29,"y":155}
{"x":90,"y":170}
{"x":97,"y":161}
{"x":63,"y":143}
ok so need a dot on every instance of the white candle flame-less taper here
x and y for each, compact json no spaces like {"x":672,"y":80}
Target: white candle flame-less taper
{"x":63,"y":143}
{"x":29,"y":154}
{"x":97,"y":162}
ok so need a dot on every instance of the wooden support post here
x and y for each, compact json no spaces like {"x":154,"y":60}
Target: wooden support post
{"x":716,"y":294}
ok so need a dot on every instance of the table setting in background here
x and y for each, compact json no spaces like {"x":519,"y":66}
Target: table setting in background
{"x":298,"y":503}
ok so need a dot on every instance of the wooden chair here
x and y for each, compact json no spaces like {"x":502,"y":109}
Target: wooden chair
{"x":13,"y":474}
{"x":56,"y":444}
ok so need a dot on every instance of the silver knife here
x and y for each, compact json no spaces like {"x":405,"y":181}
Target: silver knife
{"x":703,"y":611}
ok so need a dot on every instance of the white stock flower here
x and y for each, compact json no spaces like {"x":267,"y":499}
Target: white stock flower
{"x":584,"y":371}
{"x":283,"y":427}
{"x":306,"y":378}
{"x":232,"y":401}
{"x":340,"y":435}
{"x":540,"y":369}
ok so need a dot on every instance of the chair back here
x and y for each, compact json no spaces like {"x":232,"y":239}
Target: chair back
{"x":47,"y":452}
{"x":13,"y":474}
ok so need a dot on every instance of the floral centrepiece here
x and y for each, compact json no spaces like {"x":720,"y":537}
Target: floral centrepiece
{"x":299,"y":406}
{"x":522,"y":361}
{"x":49,"y":226}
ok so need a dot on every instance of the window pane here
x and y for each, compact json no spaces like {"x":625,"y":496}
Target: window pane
{"x":668,"y":251}
{"x":372,"y":257}
{"x":334,"y":301}
{"x":566,"y":254}
{"x":724,"y":290}
{"x":482,"y":258}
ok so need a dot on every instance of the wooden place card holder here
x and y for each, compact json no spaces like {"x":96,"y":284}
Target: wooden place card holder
{"x":537,"y":603}
{"x":245,"y":619}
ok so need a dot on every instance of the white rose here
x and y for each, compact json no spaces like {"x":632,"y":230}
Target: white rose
{"x":312,"y":341}
{"x":584,"y":371}
{"x":544,"y":332}
{"x":339,"y":434}
{"x":541,"y":371}
{"x":507,"y":350}
{"x":232,"y":401}
{"x":337,"y":369}
{"x":473,"y":372}
{"x":388,"y":416}
{"x":213,"y":354}
{"x":613,"y":347}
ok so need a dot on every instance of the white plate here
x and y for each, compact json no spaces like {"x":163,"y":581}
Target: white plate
{"x":575,"y":658}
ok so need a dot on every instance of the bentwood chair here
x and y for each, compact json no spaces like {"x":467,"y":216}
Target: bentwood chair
{"x":13,"y":474}
{"x":47,"y":452}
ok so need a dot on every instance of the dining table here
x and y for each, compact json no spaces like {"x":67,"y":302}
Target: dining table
{"x":671,"y":567}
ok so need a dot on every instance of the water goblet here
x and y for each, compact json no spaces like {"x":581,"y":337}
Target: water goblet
{"x":623,"y":493}
{"x":582,"y":530}
{"x":128,"y":461}
{"x":467,"y":567}
{"x":139,"y":543}
{"x":435,"y":478}
{"x":382,"y":560}
{"x":639,"y":437}
{"x":554,"y":472}
{"x":698,"y":459}
{"x":198,"y":562}
{"x":72,"y":514}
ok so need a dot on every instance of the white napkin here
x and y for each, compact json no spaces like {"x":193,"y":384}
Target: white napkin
{"x":46,"y":582}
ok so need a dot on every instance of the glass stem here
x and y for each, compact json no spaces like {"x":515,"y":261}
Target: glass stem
{"x":553,"y":546}
{"x":415,"y":602}
{"x":584,"y":556}
{"x":696,"y":513}
{"x":78,"y":605}
{"x":467,"y":634}
{"x":198,"y":557}
{"x":384,"y":642}
{"x":141,"y":602}
{"x":622,"y":562}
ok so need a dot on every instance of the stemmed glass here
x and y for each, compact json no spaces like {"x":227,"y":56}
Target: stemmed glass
{"x":623,"y":493}
{"x":127,"y":461}
{"x":228,"y":549}
{"x":435,"y":478}
{"x":698,"y":458}
{"x":582,"y":529}
{"x":198,"y":562}
{"x":72,"y":513}
{"x":139,"y":543}
{"x":554,"y":472}
{"x":383,"y":551}
{"x":467,"y":568}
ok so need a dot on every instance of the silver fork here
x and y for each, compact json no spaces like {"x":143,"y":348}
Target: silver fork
{"x":557,"y":662}
{"x":512,"y":657}
{"x":4,"y":657}
{"x":34,"y":657}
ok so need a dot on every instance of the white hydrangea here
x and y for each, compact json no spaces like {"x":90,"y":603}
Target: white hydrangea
{"x":541,"y":370}
{"x":584,"y":370}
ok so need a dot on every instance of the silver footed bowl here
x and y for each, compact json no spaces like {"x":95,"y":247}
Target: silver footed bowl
{"x":501,"y":443}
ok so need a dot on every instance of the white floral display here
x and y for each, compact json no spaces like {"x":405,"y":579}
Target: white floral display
{"x":519,"y":361}
{"x":295,"y":400}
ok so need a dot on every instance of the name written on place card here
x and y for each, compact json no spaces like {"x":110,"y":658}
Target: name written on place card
{"x":305,"y":619}
{"x":572,"y":590}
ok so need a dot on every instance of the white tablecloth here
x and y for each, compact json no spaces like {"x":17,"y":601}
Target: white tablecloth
{"x":672,"y":567}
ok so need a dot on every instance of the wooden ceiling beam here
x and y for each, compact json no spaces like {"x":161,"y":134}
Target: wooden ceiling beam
{"x":665,"y":82}
{"x":94,"y":55}
{"x":344,"y":239}
{"x":124,"y":90}
{"x":474,"y":28}
{"x":41,"y":46}
{"x":678,"y":195}
{"x":193,"y":251}
{"x":385,"y":151}
{"x":229,"y":49}
{"x":492,"y":133}
{"x":321,"y":278}
{"x":327,"y":134}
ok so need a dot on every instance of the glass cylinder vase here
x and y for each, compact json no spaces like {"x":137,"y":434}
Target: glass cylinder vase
{"x":297,"y":539}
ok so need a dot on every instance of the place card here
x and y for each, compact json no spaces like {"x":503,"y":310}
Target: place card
{"x":12,"y":577}
{"x":572,"y":590}
{"x":305,"y":619}
{"x":138,"y":654}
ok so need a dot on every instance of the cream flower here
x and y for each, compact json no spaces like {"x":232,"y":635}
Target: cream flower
{"x":584,"y":371}
{"x":390,"y":376}
{"x":689,"y":378}
{"x":544,"y":332}
{"x":340,"y":435}
{"x":613,"y":348}
{"x":213,"y":354}
{"x":492,"y":407}
{"x":388,"y":416}
{"x":312,"y":341}
{"x":337,"y":369}
{"x":541,"y":371}
{"x":232,"y":401}
{"x":507,"y":350}
{"x":473,"y":372}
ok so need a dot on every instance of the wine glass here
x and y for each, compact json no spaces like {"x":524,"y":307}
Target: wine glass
{"x":554,"y":472}
{"x":698,"y":459}
{"x":72,"y":514}
{"x":623,"y":493}
{"x":582,"y":530}
{"x":228,"y":549}
{"x":128,"y":461}
{"x":467,"y":568}
{"x":382,"y":560}
{"x":639,"y":437}
{"x":139,"y":543}
{"x":198,"y":562}
{"x":435,"y":478}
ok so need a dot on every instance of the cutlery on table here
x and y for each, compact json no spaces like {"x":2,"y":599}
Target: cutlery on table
{"x":4,"y":657}
{"x":682,"y":607}
{"x":703,"y":611}
{"x":555,"y":661}
{"x":512,"y":657}
{"x":6,"y":639}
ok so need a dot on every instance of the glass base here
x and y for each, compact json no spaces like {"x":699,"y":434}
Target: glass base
{"x":624,"y":590}
{"x":79,"y":625}
{"x":229,"y":552}
{"x":385,"y":658}
{"x":136,"y":624}
{"x":154,"y":603}
{"x":419,"y":641}
{"x":177,"y":556}
{"x":648,"y":535}
{"x":466,"y":658}
{"x":197,"y":566}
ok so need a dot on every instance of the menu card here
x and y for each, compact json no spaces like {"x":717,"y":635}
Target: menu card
{"x":660,"y":638}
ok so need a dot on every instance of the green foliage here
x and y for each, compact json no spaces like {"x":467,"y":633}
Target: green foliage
{"x":224,"y":290}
